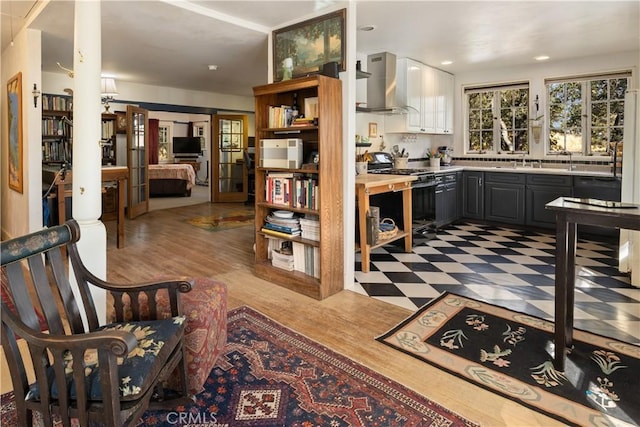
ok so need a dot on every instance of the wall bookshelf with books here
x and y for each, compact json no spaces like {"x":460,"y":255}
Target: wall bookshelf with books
{"x":299,"y":218}
{"x":108,"y":139}
{"x":57,"y":134}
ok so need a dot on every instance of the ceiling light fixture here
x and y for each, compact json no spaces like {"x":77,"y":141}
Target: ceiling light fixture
{"x":368,"y":27}
{"x":447,"y":62}
{"x":541,"y":58}
{"x":213,"y":67}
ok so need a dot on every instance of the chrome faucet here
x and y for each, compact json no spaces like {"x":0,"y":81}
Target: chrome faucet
{"x":570,"y":154}
{"x":524,"y":163}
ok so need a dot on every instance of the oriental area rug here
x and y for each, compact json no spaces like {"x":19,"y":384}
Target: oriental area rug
{"x":509,"y":353}
{"x":226,"y":221}
{"x":269,"y":375}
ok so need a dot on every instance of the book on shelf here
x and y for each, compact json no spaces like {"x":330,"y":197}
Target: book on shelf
{"x":289,"y":189}
{"x":304,"y":121}
{"x":282,"y":260}
{"x":279,"y":116}
{"x":306,"y":259}
{"x":275,"y":233}
{"x":294,"y":231}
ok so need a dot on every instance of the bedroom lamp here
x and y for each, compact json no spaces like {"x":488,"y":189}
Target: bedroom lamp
{"x":108,"y":91}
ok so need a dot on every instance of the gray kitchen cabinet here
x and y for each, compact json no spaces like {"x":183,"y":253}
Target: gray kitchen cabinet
{"x":597,"y":187}
{"x":540,"y":190}
{"x":446,"y":199}
{"x":505,"y":197}
{"x":473,"y":194}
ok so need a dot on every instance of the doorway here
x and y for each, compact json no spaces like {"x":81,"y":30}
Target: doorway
{"x":229,"y":169}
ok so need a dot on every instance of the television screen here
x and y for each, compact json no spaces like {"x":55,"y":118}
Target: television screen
{"x":187,"y":145}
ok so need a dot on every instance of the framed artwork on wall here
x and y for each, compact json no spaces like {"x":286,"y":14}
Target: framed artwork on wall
{"x":14,"y":95}
{"x":373,"y":129}
{"x":121,"y":122}
{"x":310,"y":44}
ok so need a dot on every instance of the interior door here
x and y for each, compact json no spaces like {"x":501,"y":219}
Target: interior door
{"x":137,"y":161}
{"x":229,"y":171}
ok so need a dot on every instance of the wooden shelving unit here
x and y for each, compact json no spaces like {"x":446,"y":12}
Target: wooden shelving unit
{"x":57,"y":134}
{"x":108,"y":139}
{"x":325,"y":139}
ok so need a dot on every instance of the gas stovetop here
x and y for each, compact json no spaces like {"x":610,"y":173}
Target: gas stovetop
{"x":410,"y":171}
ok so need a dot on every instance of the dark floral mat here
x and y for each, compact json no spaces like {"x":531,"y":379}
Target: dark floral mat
{"x":269,"y":375}
{"x":511,"y":353}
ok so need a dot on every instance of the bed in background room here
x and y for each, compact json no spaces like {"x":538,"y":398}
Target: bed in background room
{"x":171,"y":180}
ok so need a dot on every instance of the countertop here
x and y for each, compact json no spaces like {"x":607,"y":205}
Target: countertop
{"x":374,"y":179}
{"x":521,"y":169}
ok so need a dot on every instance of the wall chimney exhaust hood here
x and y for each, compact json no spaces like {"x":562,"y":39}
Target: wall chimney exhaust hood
{"x":381,"y":85}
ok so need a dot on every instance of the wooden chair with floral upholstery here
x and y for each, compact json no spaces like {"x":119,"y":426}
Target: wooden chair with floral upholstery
{"x":105,"y":375}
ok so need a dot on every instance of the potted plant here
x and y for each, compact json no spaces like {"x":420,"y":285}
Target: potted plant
{"x":434,"y":157}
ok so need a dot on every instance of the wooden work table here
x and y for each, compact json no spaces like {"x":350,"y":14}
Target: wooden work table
{"x":372,"y":184}
{"x":117,"y":174}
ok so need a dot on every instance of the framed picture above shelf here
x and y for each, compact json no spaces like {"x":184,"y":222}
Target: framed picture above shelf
{"x":310,"y":44}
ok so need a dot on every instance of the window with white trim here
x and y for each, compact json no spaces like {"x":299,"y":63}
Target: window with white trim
{"x":497,"y":119}
{"x":586,"y":114}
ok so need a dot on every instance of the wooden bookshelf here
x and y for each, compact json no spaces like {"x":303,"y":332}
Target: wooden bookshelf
{"x":325,"y":140}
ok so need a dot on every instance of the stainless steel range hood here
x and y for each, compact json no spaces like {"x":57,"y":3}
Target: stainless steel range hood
{"x":381,"y":85}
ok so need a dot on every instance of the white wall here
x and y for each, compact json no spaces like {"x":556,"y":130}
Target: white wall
{"x":22,"y":213}
{"x":535,"y":74}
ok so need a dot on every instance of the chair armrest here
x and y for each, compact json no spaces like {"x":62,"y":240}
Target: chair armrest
{"x":119,"y":343}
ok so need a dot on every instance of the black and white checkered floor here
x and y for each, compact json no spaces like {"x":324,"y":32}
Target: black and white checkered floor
{"x":508,"y":267}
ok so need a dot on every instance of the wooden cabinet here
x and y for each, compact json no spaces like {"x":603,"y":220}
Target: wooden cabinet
{"x":428,"y":95}
{"x":56,"y":129}
{"x":473,"y":194}
{"x":324,"y":138}
{"x":444,"y":87}
{"x":108,"y":139}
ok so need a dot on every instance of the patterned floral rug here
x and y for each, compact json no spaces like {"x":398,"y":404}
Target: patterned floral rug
{"x":509,"y":353}
{"x":226,"y":221}
{"x":269,"y":375}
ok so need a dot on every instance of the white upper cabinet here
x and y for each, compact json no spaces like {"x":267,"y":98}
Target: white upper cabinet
{"x":428,"y":95}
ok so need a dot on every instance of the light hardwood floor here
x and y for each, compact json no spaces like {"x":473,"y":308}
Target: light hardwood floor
{"x":162,"y":243}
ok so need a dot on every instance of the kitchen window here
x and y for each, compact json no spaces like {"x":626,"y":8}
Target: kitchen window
{"x":586,"y":115}
{"x":497,"y":119}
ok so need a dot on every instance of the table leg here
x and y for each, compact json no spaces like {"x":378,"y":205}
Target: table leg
{"x":560,"y":336}
{"x":62,"y":214}
{"x":406,"y":218}
{"x":120,"y":214}
{"x":365,"y":248}
{"x":571,"y":282}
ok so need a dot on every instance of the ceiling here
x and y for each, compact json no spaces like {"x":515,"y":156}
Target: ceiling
{"x":171,"y":43}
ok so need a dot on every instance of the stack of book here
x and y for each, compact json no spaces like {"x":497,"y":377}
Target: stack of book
{"x":304,"y":121}
{"x":310,"y":227}
{"x":282,"y":259}
{"x":281,"y":227}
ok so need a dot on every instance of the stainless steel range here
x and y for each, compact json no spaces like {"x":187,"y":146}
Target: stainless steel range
{"x":422,"y":194}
